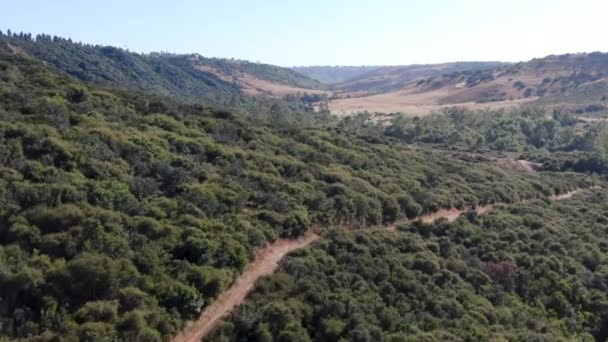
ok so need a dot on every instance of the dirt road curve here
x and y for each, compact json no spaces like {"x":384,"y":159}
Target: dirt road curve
{"x":265,"y":262}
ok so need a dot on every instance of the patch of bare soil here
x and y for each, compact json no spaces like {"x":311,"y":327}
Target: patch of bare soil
{"x":16,"y":50}
{"x":452,"y":214}
{"x":566,"y":195}
{"x":519,"y":165}
{"x":265,"y":263}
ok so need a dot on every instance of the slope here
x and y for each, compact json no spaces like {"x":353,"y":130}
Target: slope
{"x":191,"y":78}
{"x":334,"y":74}
{"x":389,"y":78}
{"x":574,"y":81}
{"x":123,"y":215}
{"x":521,"y":272}
{"x":267,"y":261}
{"x":374,"y":79}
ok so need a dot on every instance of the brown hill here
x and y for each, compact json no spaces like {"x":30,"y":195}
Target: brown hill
{"x":575,"y":81}
{"x":387,"y":78}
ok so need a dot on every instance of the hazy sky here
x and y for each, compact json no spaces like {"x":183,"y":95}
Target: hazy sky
{"x":325,"y":32}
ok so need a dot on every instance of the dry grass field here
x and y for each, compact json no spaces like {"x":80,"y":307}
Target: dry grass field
{"x":576,"y":81}
{"x":410,"y":103}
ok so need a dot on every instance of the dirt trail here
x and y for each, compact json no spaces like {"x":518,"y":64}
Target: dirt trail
{"x":449,"y":214}
{"x":265,"y":263}
{"x":519,"y":164}
{"x":566,"y":195}
{"x":267,"y":260}
{"x":453,"y":213}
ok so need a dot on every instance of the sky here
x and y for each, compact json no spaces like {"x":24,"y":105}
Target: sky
{"x":324,"y":32}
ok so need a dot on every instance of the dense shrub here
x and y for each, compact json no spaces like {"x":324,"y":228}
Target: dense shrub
{"x":123,"y":214}
{"x":492,"y":277}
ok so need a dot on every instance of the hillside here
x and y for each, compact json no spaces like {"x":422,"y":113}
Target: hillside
{"x":522,"y":272}
{"x":334,"y":74}
{"x":190,"y":78}
{"x":375,"y":79}
{"x":123,"y":215}
{"x":577,"y":82}
{"x":395,"y":77}
{"x":144,"y":197}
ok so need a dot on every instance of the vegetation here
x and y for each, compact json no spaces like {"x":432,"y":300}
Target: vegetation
{"x":376,"y":79}
{"x":560,"y":142}
{"x":125,"y":210}
{"x":533,"y":272}
{"x":574,"y":83}
{"x":506,"y":131}
{"x":124,"y":214}
{"x":271,"y":73}
{"x":165,"y":74}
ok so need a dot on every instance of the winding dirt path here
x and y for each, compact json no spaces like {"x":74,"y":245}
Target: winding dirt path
{"x":452,"y":214}
{"x":567,"y":195}
{"x":519,"y":164}
{"x":267,"y":261}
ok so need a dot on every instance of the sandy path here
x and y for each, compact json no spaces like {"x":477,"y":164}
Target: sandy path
{"x":265,"y":263}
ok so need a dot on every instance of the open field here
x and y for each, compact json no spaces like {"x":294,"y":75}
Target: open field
{"x":410,"y":103}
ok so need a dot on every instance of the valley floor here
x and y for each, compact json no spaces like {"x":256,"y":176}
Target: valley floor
{"x":397,"y":102}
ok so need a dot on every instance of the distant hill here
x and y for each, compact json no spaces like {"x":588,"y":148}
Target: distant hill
{"x":394,"y":77}
{"x":551,"y":78}
{"x":191,"y":78}
{"x":574,"y":81}
{"x":335,"y":74}
{"x":385,"y":78}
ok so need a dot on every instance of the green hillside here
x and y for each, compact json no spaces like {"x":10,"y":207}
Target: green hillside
{"x":126,"y":209}
{"x":533,"y":272}
{"x":122,"y":215}
{"x":163,"y":74}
